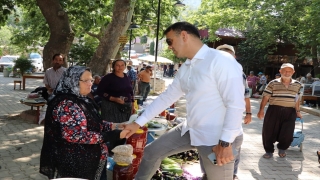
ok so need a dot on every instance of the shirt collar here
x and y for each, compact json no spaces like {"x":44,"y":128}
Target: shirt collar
{"x":199,"y":55}
{"x":279,"y":80}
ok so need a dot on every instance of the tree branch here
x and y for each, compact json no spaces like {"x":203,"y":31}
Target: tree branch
{"x":94,"y":35}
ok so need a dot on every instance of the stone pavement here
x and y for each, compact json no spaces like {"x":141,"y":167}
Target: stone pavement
{"x":21,"y":141}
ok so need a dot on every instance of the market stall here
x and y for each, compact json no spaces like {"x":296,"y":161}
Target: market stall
{"x":151,"y":59}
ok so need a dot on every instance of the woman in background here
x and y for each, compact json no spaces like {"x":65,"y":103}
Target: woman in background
{"x":252,"y":81}
{"x":116,"y":92}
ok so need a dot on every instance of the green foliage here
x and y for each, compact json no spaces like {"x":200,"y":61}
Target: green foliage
{"x":23,"y":64}
{"x":152,"y":48}
{"x":167,"y":53}
{"x":6,"y":46}
{"x":8,"y":68}
{"x":143,"y":39}
{"x":81,"y":52}
{"x":6,"y":9}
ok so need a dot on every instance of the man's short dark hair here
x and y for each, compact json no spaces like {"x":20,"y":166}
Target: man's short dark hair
{"x":58,"y":54}
{"x":183,"y":26}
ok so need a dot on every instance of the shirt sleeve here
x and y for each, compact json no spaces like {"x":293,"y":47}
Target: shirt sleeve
{"x":230,"y":86}
{"x":164,"y":100}
{"x":45,"y":80}
{"x":102,"y":89}
{"x":73,"y":124}
{"x":268,"y":90}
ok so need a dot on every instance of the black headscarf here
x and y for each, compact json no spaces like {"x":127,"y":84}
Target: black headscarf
{"x":69,"y":82}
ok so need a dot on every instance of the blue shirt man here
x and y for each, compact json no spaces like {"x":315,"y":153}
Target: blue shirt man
{"x":132,"y":76}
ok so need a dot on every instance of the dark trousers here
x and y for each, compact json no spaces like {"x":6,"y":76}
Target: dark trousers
{"x":170,"y":72}
{"x":278,"y":126}
{"x":164,"y":72}
{"x":144,"y":90}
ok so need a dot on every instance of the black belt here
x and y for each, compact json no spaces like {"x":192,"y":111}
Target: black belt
{"x":144,"y":82}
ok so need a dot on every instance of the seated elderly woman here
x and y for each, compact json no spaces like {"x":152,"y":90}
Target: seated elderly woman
{"x":75,"y":136}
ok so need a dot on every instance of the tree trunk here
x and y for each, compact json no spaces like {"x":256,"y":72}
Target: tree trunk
{"x":61,"y":34}
{"x":109,"y":41}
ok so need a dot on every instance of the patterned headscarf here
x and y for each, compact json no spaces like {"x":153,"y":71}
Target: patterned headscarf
{"x":69,"y":82}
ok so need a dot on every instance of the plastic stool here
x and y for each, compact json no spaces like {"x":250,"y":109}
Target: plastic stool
{"x":16,"y":82}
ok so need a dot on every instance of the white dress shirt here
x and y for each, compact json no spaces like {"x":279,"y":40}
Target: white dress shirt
{"x":213,"y":86}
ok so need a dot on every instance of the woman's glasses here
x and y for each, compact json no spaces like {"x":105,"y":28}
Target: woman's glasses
{"x":169,"y":42}
{"x":87,"y":81}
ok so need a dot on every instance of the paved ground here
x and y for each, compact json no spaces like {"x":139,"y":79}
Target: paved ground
{"x":21,"y":141}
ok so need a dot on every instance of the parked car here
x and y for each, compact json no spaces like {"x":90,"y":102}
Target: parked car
{"x":37,"y":61}
{"x":133,"y":54}
{"x":7,"y":60}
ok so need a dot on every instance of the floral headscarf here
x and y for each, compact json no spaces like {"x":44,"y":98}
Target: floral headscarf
{"x":69,"y":82}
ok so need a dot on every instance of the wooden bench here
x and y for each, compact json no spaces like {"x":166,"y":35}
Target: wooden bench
{"x":30,"y":77}
{"x":309,"y":98}
{"x":16,"y":82}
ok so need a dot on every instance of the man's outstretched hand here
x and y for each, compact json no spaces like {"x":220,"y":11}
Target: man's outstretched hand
{"x":131,"y":128}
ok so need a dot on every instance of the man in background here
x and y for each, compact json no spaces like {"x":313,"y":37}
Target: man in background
{"x":132,"y":76}
{"x":145,"y":78}
{"x":165,"y":67}
{"x":279,"y":121}
{"x":262,"y":82}
{"x":53,"y":74}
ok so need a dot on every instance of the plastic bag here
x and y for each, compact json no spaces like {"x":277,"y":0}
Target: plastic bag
{"x":126,"y":150}
{"x":118,"y":158}
{"x":42,"y":114}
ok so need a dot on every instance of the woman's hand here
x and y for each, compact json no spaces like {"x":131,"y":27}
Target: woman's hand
{"x":117,"y":100}
{"x":119,"y":126}
{"x":133,"y":110}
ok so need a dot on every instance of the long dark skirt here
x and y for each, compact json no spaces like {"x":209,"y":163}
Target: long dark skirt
{"x":110,"y":112}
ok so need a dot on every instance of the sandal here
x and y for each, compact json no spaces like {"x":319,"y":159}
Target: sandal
{"x":318,"y":154}
{"x":268,"y":155}
{"x":282,"y":153}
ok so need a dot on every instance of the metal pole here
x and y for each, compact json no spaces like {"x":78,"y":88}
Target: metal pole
{"x":157,"y":41}
{"x":130,"y":43}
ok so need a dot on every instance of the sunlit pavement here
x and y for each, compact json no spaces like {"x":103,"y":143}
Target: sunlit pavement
{"x":21,"y":141}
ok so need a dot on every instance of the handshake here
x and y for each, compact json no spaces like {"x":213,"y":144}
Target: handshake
{"x":127,"y":129}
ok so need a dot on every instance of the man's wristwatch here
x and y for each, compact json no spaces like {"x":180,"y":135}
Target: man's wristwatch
{"x":224,"y":144}
{"x":248,"y":113}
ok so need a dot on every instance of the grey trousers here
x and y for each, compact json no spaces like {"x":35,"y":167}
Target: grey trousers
{"x":236,"y":145}
{"x":172,"y":143}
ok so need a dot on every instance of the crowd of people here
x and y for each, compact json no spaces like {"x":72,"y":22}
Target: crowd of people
{"x":77,"y":138}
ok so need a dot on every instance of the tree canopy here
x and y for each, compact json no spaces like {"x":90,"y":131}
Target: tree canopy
{"x":266,"y":24}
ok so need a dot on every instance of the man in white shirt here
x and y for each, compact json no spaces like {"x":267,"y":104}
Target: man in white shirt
{"x":212,"y":83}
